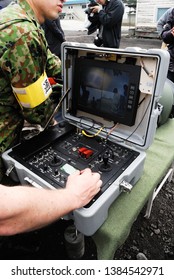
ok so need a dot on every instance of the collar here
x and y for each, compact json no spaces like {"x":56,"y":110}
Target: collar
{"x":24,"y":4}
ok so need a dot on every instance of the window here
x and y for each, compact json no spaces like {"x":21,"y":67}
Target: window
{"x":161,"y":11}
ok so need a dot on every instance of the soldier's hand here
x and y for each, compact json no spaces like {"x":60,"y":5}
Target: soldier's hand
{"x":83,"y":186}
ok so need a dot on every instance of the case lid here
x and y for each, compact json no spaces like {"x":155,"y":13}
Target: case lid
{"x":113,"y":92}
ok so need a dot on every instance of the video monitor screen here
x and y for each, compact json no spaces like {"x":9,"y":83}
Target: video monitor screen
{"x":106,"y":89}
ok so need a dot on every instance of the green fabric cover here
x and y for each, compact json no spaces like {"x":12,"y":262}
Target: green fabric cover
{"x":124,"y":211}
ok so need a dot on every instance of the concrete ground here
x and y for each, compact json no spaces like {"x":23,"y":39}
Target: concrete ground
{"x":76,"y":32}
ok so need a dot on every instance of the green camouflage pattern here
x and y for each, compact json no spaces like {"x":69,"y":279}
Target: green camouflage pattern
{"x":24,"y":55}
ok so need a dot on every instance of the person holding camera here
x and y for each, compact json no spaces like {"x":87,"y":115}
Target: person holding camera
{"x":110,"y":15}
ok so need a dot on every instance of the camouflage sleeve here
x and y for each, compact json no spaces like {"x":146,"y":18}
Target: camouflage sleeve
{"x":28,"y":58}
{"x":24,"y":62}
{"x":53,"y":67}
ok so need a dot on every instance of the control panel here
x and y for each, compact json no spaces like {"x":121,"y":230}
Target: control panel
{"x":110,"y":103}
{"x":57,"y":154}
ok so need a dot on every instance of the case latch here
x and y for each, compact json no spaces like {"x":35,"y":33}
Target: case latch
{"x":125,"y":186}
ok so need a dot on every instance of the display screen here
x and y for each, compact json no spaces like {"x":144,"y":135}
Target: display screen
{"x":106,"y":89}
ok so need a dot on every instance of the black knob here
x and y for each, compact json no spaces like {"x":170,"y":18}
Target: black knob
{"x":56,"y":159}
{"x":105,"y":159}
{"x":45,"y":167}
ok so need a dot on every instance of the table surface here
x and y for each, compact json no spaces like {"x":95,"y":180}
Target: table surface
{"x":125,"y":209}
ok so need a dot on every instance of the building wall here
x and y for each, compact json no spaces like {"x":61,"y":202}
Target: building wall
{"x":74,"y":9}
{"x":148,"y":12}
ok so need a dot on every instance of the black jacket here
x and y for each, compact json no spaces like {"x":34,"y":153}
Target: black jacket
{"x":54,"y":35}
{"x":4,"y":3}
{"x":110,"y":18}
{"x":168,"y":38}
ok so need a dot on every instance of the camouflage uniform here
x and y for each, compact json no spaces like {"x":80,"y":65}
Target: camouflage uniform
{"x":24,"y":56}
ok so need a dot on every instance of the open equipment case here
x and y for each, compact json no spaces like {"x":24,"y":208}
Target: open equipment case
{"x":110,"y":109}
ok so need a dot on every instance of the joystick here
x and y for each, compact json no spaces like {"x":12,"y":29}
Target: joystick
{"x":55,"y":161}
{"x":105,"y":166}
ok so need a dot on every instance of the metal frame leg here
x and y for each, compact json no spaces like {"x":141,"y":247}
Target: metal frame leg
{"x":168,"y":177}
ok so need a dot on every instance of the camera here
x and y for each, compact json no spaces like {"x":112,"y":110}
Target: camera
{"x":88,"y":10}
{"x":98,"y":41}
